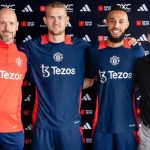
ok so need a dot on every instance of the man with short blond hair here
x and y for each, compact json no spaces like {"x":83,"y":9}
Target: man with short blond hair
{"x":57,"y":64}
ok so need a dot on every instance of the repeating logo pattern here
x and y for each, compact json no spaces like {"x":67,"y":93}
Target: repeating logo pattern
{"x":87,"y":21}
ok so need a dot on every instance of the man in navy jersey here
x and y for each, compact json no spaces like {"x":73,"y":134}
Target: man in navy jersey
{"x":57,"y":65}
{"x":113,"y":60}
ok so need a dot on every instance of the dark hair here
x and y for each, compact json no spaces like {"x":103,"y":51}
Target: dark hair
{"x":116,"y":8}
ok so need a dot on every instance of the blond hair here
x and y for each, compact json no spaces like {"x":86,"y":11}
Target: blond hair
{"x":56,"y":4}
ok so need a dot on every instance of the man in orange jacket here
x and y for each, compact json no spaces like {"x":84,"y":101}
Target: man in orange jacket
{"x":13,"y":66}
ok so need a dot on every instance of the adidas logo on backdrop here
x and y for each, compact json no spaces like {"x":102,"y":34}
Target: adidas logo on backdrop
{"x":27,"y":9}
{"x":142,"y":8}
{"x":86,"y":38}
{"x":85,"y":9}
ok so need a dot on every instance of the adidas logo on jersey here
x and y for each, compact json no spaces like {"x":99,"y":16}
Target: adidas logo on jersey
{"x":88,"y":140}
{"x":28,"y":98}
{"x":27,"y":38}
{"x":29,"y":127}
{"x":86,"y":38}
{"x":142,"y":8}
{"x":138,"y":98}
{"x":142,"y":38}
{"x":86,"y":97}
{"x":27,"y":9}
{"x":86,"y":126}
{"x":85,"y":9}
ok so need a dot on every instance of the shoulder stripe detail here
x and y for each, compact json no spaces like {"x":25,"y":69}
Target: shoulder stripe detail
{"x":125,"y":44}
{"x":102,"y":45}
{"x":68,"y":40}
{"x":44,"y":39}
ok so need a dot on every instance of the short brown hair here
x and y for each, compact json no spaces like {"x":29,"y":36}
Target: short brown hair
{"x":116,"y":8}
{"x":56,"y":4}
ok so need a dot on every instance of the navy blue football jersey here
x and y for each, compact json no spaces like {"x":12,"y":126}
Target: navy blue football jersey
{"x":58,"y":72}
{"x":114,"y":67}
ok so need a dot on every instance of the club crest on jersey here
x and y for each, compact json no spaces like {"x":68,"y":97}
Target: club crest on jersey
{"x":114,"y":60}
{"x":19,"y":61}
{"x":58,"y":57}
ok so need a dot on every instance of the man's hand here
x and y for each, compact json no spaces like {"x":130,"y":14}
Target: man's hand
{"x":88,"y":83}
{"x":132,"y":41}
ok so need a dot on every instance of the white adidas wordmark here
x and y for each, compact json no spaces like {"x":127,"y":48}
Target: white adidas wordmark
{"x":86,"y":38}
{"x":27,"y":38}
{"x":27,"y":9}
{"x":85,"y":9}
{"x":142,"y":8}
{"x":86,"y":126}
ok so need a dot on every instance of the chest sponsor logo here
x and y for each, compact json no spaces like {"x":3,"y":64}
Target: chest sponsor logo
{"x":54,"y":70}
{"x":10,"y":75}
{"x":105,"y":75}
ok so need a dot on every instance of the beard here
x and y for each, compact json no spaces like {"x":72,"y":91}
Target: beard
{"x":115,"y":39}
{"x":7,"y":39}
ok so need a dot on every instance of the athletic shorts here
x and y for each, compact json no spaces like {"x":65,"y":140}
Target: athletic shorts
{"x":12,"y":141}
{"x":114,"y":141}
{"x":67,"y":139}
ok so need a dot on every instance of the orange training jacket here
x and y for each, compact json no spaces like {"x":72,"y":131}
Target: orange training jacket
{"x":13,"y":66}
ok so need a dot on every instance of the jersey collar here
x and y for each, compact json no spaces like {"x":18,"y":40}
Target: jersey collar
{"x":103,"y":44}
{"x":68,"y":39}
{"x":9,"y":48}
{"x":9,"y":45}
